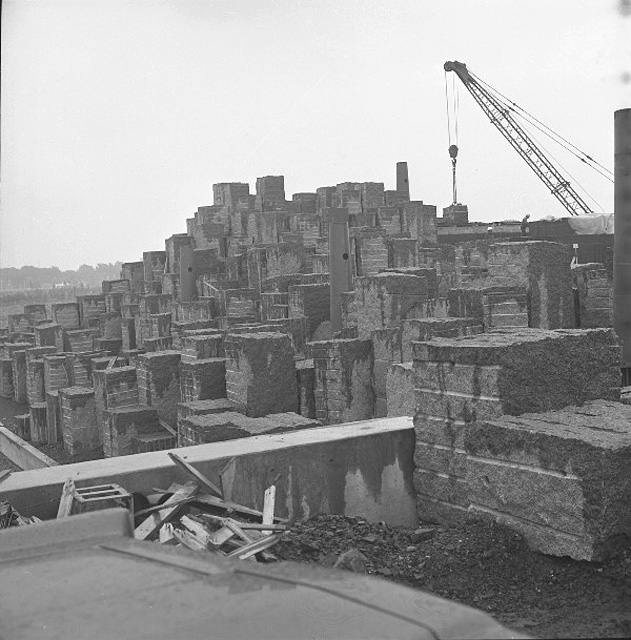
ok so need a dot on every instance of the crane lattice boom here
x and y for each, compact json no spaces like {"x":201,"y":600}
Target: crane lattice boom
{"x":527,"y":148}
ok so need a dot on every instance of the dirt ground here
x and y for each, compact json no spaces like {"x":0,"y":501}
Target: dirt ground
{"x":483,"y":565}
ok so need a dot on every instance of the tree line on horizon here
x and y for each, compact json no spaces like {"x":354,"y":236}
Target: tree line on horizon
{"x":28,"y":277}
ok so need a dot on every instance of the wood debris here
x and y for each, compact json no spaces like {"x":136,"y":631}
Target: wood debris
{"x":207,"y":523}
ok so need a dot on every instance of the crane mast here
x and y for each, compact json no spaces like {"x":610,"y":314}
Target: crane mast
{"x":527,"y":148}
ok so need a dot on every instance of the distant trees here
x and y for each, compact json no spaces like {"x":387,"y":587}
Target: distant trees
{"x":29,"y":277}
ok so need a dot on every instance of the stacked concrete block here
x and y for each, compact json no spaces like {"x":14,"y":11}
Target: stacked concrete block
{"x":400,"y":395}
{"x":38,"y":422}
{"x":274,"y":305}
{"x":113,"y":388}
{"x":561,"y":478}
{"x":18,"y":323}
{"x":179,"y":330}
{"x":156,"y":441}
{"x":343,"y":373}
{"x":384,"y":300}
{"x":261,"y":373}
{"x":348,"y":301}
{"x":196,"y":310}
{"x":19,"y":376}
{"x":116,"y":286}
{"x":53,"y":417}
{"x":135,"y":273}
{"x":271,"y":191}
{"x":155,"y":303}
{"x":35,"y":312}
{"x":79,"y":340}
{"x":171,"y":285}
{"x":114,"y":302}
{"x":66,"y":314}
{"x":56,"y":374}
{"x":23,"y":426}
{"x":111,"y":345}
{"x":35,"y":389}
{"x":203,"y":379}
{"x":110,"y":326}
{"x":296,"y":328}
{"x":371,"y":250}
{"x":6,"y":377}
{"x":419,"y":220}
{"x":595,"y":295}
{"x":79,"y":426}
{"x":505,"y":307}
{"x":80,"y":367}
{"x":124,"y":424}
{"x":153,"y":262}
{"x":544,"y":269}
{"x":215,"y":427}
{"x":90,"y":309}
{"x":201,"y":408}
{"x":159,"y":383}
{"x":402,"y":252}
{"x":203,"y":346}
{"x":152,"y":288}
{"x":386,"y":350}
{"x":456,"y":215}
{"x":311,"y":301}
{"x":128,"y":334}
{"x":241,"y":304}
{"x":390,"y":219}
{"x":305,"y":371}
{"x":49,"y":335}
{"x":423,"y":329}
{"x":463,"y":380}
{"x":173,"y":245}
{"x":151,"y":345}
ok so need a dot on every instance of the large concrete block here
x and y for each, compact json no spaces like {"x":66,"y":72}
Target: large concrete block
{"x":203,"y":379}
{"x":66,"y":314}
{"x":124,"y":424}
{"x":343,"y":370}
{"x":79,"y":426}
{"x":400,"y":396}
{"x":116,"y":387}
{"x":261,"y":373}
{"x":159,"y":383}
{"x":544,"y":269}
{"x":562,"y":478}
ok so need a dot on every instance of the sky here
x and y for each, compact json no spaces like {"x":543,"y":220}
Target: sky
{"x":118,"y":116}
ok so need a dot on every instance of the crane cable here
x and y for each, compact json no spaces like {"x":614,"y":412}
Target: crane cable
{"x":547,"y":131}
{"x":452,"y":109}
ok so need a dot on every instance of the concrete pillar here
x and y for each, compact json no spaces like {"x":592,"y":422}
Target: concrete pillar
{"x":403,"y":185}
{"x":340,"y":267}
{"x":622,"y":231}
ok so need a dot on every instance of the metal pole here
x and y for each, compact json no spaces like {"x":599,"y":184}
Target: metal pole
{"x":622,"y":232}
{"x":340,"y":264}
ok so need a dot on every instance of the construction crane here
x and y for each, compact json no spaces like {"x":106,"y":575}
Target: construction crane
{"x":500,"y":115}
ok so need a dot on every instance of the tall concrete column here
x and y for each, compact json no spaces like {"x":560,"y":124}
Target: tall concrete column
{"x":340,"y":264}
{"x":622,"y":231}
{"x":403,"y":184}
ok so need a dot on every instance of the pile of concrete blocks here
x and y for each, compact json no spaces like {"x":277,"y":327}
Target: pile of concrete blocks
{"x":594,"y":293}
{"x":466,"y":383}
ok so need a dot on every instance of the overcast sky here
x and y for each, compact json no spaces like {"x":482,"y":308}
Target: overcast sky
{"x":119,"y":115}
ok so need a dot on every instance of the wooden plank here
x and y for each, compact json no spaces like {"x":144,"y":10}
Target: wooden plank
{"x":188,"y":540}
{"x":269,"y":502}
{"x":67,"y":498}
{"x":112,"y":362}
{"x":254,"y":547}
{"x":202,"y":479}
{"x":167,"y":427}
{"x":198,"y":530}
{"x":220,"y":536}
{"x":166,"y":535}
{"x":235,"y":508}
{"x":155,"y":520}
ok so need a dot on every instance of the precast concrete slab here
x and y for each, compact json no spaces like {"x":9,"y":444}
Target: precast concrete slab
{"x":361,"y":469}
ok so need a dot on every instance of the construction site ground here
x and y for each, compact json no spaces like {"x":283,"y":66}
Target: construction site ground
{"x":479,"y":564}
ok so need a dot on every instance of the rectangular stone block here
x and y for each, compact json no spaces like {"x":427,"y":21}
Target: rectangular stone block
{"x":400,"y":397}
{"x":305,"y":372}
{"x":39,"y":422}
{"x":79,"y":340}
{"x":124,"y":424}
{"x":561,"y":478}
{"x":159,"y":383}
{"x":203,"y":346}
{"x":261,"y":372}
{"x":203,"y":379}
{"x":113,"y":388}
{"x":49,"y":335}
{"x":79,"y":426}
{"x":19,"y":376}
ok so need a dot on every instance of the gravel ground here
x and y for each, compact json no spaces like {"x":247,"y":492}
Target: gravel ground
{"x":483,"y":565}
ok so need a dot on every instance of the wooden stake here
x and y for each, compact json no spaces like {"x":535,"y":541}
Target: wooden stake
{"x":67,"y":498}
{"x":202,"y":479}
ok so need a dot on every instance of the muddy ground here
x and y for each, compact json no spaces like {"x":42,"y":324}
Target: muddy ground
{"x":482,"y":565}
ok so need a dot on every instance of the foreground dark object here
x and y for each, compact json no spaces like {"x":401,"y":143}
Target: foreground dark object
{"x":86,"y":578}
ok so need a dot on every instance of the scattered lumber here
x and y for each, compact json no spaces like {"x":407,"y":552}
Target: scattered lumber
{"x":10,"y":517}
{"x":202,"y":479}
{"x":67,"y":499}
{"x":206,"y":523}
